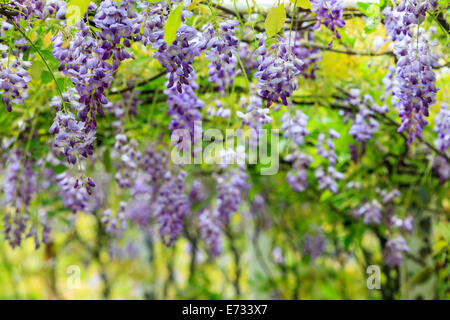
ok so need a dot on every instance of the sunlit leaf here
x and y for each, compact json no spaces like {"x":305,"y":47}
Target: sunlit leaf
{"x":172,"y":24}
{"x":275,"y":20}
{"x":193,"y":4}
{"x":304,"y":4}
{"x":76,"y":10}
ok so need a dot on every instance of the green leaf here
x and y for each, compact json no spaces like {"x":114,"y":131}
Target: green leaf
{"x":46,"y":77}
{"x":107,"y":160}
{"x":374,"y":18}
{"x":363,"y":7}
{"x":76,"y":10}
{"x":345,"y":38}
{"x":304,"y":4}
{"x":172,"y":25}
{"x":423,"y":275}
{"x":275,"y":20}
{"x":59,"y":169}
{"x":327,"y":194}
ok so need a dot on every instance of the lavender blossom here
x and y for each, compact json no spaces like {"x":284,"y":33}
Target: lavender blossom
{"x":442,"y":128}
{"x":371,"y":211}
{"x":222,"y":49}
{"x":329,"y":13}
{"x":297,"y":176}
{"x":314,"y":245}
{"x":393,"y":251}
{"x":210,"y":231}
{"x":74,"y":195}
{"x":276,"y":72}
{"x":14,"y":79}
{"x":295,"y":127}
{"x":172,"y":206}
{"x":231,"y":188}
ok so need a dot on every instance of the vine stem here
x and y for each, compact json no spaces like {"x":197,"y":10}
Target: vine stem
{"x":43,"y":59}
{"x":291,"y":26}
{"x":24,"y":160}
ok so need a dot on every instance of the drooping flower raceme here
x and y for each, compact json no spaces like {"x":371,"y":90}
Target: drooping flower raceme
{"x":14,"y":79}
{"x":329,"y":13}
{"x":442,"y":128}
{"x":222,"y":49}
{"x":171,"y":207}
{"x":413,"y":87}
{"x":177,"y":58}
{"x":210,"y":230}
{"x":295,"y":127}
{"x":255,"y":116}
{"x":314,"y":245}
{"x":308,"y":55}
{"x":71,"y":139}
{"x":393,"y":251}
{"x":74,"y":195}
{"x":328,"y":179}
{"x":297,"y":176}
{"x":415,"y":90}
{"x":231,"y":188}
{"x":364,"y":125}
{"x":371,"y":211}
{"x":85,"y":61}
{"x":277,"y":71}
{"x":117,"y":24}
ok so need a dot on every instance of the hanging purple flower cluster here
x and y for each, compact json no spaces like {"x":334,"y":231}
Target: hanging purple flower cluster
{"x":71,"y":139}
{"x":177,"y":58}
{"x":295,"y":127}
{"x":371,"y":211}
{"x":127,"y":159}
{"x":277,"y":72}
{"x":210,"y":231}
{"x":309,"y":56}
{"x":117,"y":24}
{"x":329,"y":13}
{"x":172,"y":206}
{"x":327,"y":180}
{"x":184,"y":108}
{"x":145,"y":190}
{"x":256,"y":115}
{"x":231,"y":188}
{"x":222,"y":48}
{"x":364,"y":125}
{"x":381,"y":210}
{"x":84,"y":60}
{"x":154,"y":16}
{"x":415,"y":11}
{"x":314,"y":245}
{"x":116,"y":225}
{"x":413,"y":87}
{"x":14,"y":79}
{"x":27,"y":9}
{"x":393,"y":23}
{"x":442,"y":128}
{"x":19,"y":184}
{"x":74,"y":194}
{"x":297,"y":176}
{"x":393,"y":251}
